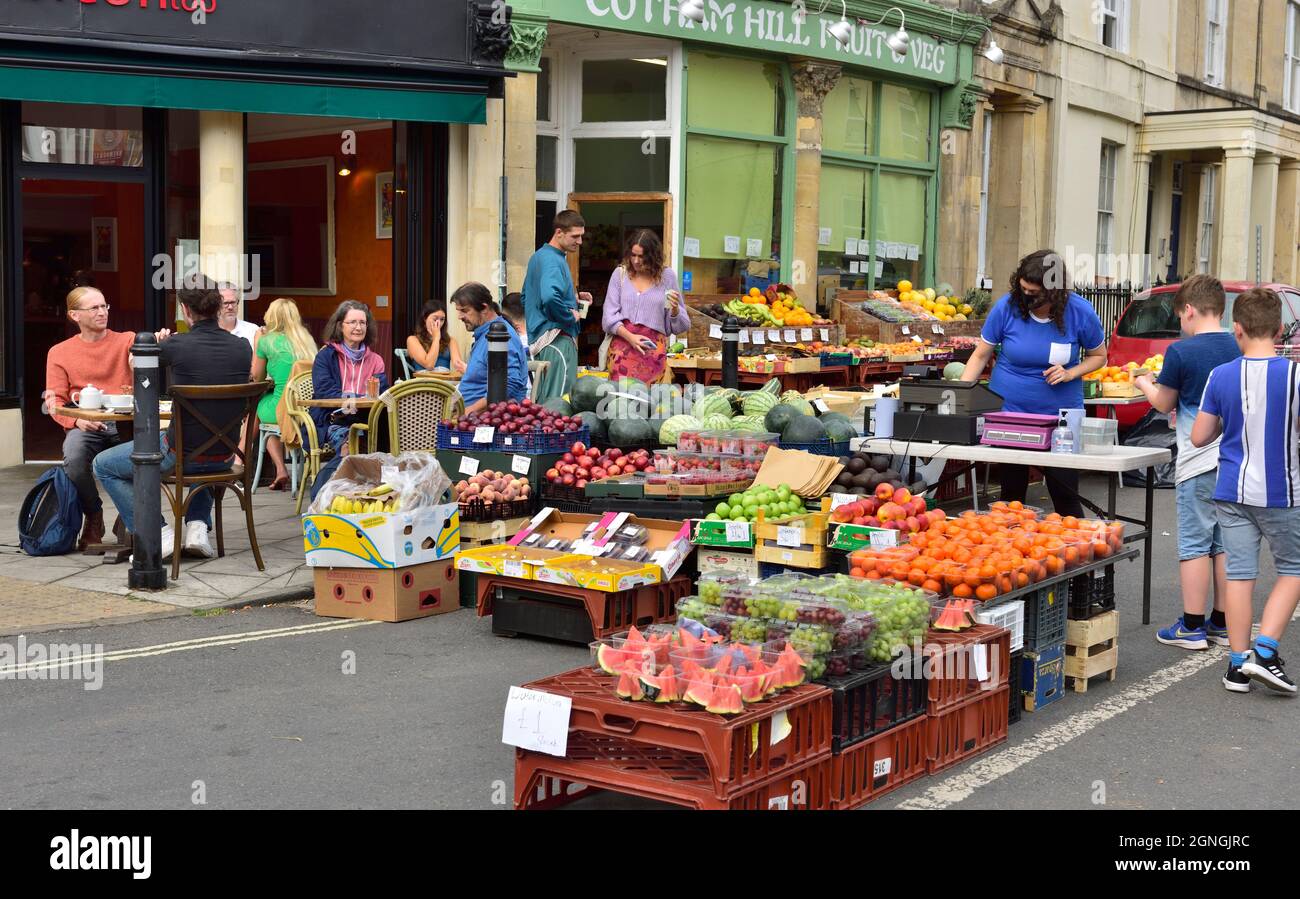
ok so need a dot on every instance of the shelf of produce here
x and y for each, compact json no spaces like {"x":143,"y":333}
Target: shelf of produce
{"x":836,"y":376}
{"x":596,"y":763}
{"x":608,"y":613}
{"x":739,"y":751}
{"x":880,"y":765}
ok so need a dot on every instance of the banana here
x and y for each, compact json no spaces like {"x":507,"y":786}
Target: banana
{"x":380,"y":490}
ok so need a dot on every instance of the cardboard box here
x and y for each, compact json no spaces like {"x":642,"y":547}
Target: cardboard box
{"x":416,"y":591}
{"x":669,"y":541}
{"x":626,"y":486}
{"x":499,"y":558}
{"x":741,"y":563}
{"x":805,"y":556}
{"x":714,"y":533}
{"x":606,"y":575}
{"x":477,"y":532}
{"x":674,"y":489}
{"x":381,"y":540}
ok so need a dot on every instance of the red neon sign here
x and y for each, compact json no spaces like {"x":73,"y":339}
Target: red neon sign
{"x":190,"y":6}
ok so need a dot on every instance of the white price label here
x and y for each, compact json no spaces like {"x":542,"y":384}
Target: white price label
{"x":906,"y":329}
{"x":823,"y":237}
{"x":483,"y":434}
{"x":882,"y":767}
{"x":731,"y":244}
{"x":743,"y":335}
{"x":774,"y":335}
{"x":916,"y":339}
{"x":884,"y":539}
{"x":979,"y":657}
{"x":938,"y":329}
{"x":821,"y":406}
{"x":521,"y":464}
{"x":826,"y":333}
{"x":715,"y":331}
{"x":787,"y":557}
{"x":737,"y":531}
{"x":770,"y":357}
{"x":512,"y":568}
{"x":754,"y":247}
{"x":538,"y":721}
{"x":842,"y":499}
{"x":757,"y":337}
{"x":468,"y":465}
{"x":806,"y":334}
{"x":791,"y":335}
{"x":789,"y":536}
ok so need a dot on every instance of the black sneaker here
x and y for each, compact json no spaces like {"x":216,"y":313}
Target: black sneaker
{"x":1236,"y":681}
{"x":1269,"y":672}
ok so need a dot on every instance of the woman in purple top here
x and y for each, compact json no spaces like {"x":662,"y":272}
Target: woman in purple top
{"x":643,"y":308}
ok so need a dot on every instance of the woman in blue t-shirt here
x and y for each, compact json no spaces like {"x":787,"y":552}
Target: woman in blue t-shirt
{"x":1049,"y":338}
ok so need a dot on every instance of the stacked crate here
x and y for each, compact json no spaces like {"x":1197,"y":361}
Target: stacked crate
{"x":1092,"y":636}
{"x":1042,"y":669}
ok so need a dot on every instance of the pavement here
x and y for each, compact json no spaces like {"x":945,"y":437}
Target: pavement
{"x":273,"y":707}
{"x":231,"y":580}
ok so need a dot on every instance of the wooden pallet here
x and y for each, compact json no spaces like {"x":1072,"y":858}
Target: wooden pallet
{"x":1091,"y":650}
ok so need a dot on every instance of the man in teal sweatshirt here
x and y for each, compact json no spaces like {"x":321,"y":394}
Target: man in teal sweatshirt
{"x":551,"y":307}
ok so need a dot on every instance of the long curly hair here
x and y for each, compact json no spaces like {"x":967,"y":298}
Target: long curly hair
{"x":1045,"y":268}
{"x":651,"y":247}
{"x":422,"y":329}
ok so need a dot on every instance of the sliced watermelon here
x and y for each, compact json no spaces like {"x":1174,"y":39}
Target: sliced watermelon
{"x":669,"y":688}
{"x":726,"y":700}
{"x":629,"y":687}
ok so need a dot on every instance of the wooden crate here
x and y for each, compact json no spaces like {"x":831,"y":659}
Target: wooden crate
{"x":858,"y":324}
{"x":1091,"y":650}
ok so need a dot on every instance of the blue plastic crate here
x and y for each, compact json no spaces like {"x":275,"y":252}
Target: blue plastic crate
{"x":1042,"y":676}
{"x":450,"y":438}
{"x":751,"y":282}
{"x":824,"y":447}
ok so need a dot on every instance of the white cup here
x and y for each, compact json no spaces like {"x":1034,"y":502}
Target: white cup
{"x":118,"y":400}
{"x":88,"y":397}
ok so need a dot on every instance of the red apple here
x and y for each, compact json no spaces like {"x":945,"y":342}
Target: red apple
{"x":581,"y":483}
{"x":578,"y":449}
{"x":902,"y":496}
{"x":923,"y":521}
{"x":860,"y":521}
{"x":568,"y":458}
{"x":552,"y":474}
{"x":884,"y":493}
{"x":869,"y":506}
{"x":615,"y":452}
{"x":568,"y":480}
{"x":872,"y":521}
{"x":912,"y":524}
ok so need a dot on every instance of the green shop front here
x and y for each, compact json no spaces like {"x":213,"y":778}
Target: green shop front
{"x":753,"y":142}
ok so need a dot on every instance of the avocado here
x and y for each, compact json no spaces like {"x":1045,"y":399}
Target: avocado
{"x":845,"y":479}
{"x":880,"y":463}
{"x":862,"y":480}
{"x":857,"y":466}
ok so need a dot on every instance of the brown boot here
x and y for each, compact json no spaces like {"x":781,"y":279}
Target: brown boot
{"x":119,"y":531}
{"x":93,"y":530}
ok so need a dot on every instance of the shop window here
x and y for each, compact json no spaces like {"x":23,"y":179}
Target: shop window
{"x":725,"y":93}
{"x":902,"y":210}
{"x":546,"y":210}
{"x":291,"y":225}
{"x":544,"y":90}
{"x":905,"y":123}
{"x":844,"y":218}
{"x":82,"y":134}
{"x":847,"y":117}
{"x":625,"y":90}
{"x":546,"y":161}
{"x":620,"y":164}
{"x":732,"y":188}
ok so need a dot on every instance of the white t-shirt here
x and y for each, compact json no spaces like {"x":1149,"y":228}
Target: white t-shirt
{"x":246,"y":330}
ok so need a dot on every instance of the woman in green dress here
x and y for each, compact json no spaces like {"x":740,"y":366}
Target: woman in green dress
{"x":281,"y":343}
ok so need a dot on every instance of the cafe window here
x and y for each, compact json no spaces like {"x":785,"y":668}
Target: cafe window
{"x":625,"y":90}
{"x":82,"y":134}
{"x":847,"y":116}
{"x":736,"y":167}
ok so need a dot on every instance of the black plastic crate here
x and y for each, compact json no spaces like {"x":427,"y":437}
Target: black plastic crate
{"x":871,"y":702}
{"x":665,"y":510}
{"x":515,"y":613}
{"x":477,"y":510}
{"x":467,"y":583}
{"x":1092,"y":594}
{"x":823,"y":447}
{"x":1017,"y":705}
{"x":1046,"y":614}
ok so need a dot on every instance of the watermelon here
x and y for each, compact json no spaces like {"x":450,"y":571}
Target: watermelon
{"x":629,"y":398}
{"x":673,"y":427}
{"x":751,"y":685}
{"x":839,"y":431}
{"x":829,"y":417}
{"x":804,"y":429}
{"x":699,"y":688}
{"x":597,"y":426}
{"x":794,"y":398}
{"x":717,"y":422}
{"x":630,"y":433}
{"x":666,"y":401}
{"x":713,"y":404}
{"x":953,"y":371}
{"x":750,"y":424}
{"x":779,"y":416}
{"x":609,"y":659}
{"x":726,"y":700}
{"x":773,"y":387}
{"x":588,"y":392}
{"x":559,"y":406}
{"x":629,"y":687}
{"x":759,"y":403}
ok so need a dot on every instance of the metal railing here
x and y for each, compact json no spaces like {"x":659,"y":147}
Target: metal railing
{"x":1110,"y":301}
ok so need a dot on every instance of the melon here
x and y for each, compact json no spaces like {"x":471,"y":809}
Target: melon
{"x":829,"y":417}
{"x":588,"y":392}
{"x":750,"y":684}
{"x":673,"y":427}
{"x":793,"y":398}
{"x":559,"y":406}
{"x":773,"y":387}
{"x":759,"y":403}
{"x":629,"y":398}
{"x":839,"y":431}
{"x":726,"y":700}
{"x":630,"y":433}
{"x":751,"y":424}
{"x":716,"y":422}
{"x":804,"y":429}
{"x":713,"y":404}
{"x":699,"y":689}
{"x":629,"y":687}
{"x":779,"y":416}
{"x":669,"y":688}
{"x":953,"y":371}
{"x":609,"y":659}
{"x":596,"y":425}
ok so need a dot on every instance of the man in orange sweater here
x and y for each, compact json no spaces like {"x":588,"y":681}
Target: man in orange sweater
{"x":95,"y":356}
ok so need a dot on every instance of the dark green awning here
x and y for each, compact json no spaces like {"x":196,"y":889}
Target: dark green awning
{"x":417,"y":103}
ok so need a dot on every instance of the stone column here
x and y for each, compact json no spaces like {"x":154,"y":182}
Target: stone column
{"x":1015,"y":225}
{"x":1145,"y":272}
{"x":1236,"y":238}
{"x":484,"y":158}
{"x":527,"y":37}
{"x":1288,"y":222}
{"x":221,"y":197}
{"x":812,"y":82}
{"x":1263,"y":213}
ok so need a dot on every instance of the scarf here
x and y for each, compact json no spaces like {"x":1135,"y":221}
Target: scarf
{"x":356,"y":367}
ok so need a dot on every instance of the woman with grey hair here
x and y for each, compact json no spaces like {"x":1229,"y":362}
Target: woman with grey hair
{"x":343,"y":366}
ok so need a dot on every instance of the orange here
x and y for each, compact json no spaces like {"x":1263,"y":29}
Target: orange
{"x":953,"y":579}
{"x":1017,"y":505}
{"x":961,"y":591}
{"x":916,"y":577}
{"x":1022,"y":579}
{"x":988,"y":572}
{"x":1071,"y":556}
{"x":899,"y":572}
{"x":1054,"y":565}
{"x":1100,"y":550}
{"x":1038,"y":553}
{"x":1070,"y":521}
{"x":874,"y":576}
{"x":986,"y":592}
{"x":1004,"y":583}
{"x":857,"y":572}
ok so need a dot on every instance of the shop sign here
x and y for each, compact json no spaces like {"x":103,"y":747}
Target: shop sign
{"x":763,"y":25}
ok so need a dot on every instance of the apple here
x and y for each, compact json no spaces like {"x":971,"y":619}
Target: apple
{"x":581,"y":483}
{"x":923,"y":521}
{"x":872,"y":521}
{"x":894,"y":525}
{"x":860,"y":521}
{"x":569,"y":480}
{"x":902,"y":496}
{"x":912,"y":524}
{"x":869,"y":506}
{"x":568,"y":458}
{"x":884,"y":493}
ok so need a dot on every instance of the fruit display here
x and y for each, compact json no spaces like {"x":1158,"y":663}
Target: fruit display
{"x":1115,"y":374}
{"x":583,"y":464}
{"x":778,"y":306}
{"x":956,"y":615}
{"x":1154,"y":364}
{"x":523,"y":417}
{"x":866,"y":474}
{"x":884,"y":307}
{"x":491,"y":487}
{"x":776,"y":505}
{"x":377,"y":499}
{"x":892,"y":508}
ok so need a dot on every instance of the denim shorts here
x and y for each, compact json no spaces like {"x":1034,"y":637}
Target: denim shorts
{"x":1243,"y":526}
{"x":1199,"y":534}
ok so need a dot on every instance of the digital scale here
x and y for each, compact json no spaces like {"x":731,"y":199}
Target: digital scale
{"x":1019,"y":430}
{"x":938,"y":411}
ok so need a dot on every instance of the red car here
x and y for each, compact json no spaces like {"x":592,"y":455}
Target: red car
{"x":1149,"y":325}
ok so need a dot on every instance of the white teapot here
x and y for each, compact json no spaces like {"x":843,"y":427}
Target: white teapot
{"x":88,"y":397}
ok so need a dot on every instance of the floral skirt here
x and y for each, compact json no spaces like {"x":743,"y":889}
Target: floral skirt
{"x":626,"y":361}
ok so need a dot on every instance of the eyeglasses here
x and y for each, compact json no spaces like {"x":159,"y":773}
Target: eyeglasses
{"x":102,"y":307}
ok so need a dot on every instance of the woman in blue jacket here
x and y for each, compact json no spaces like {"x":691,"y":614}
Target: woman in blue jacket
{"x":343,"y":367}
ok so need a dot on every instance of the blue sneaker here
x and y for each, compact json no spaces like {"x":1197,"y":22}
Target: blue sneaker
{"x":1178,"y":635}
{"x":1215,"y":634}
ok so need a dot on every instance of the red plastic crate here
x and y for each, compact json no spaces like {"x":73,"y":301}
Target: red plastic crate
{"x":954,"y":679}
{"x":609,"y":612}
{"x":964,"y":732}
{"x":737,"y":751}
{"x":595,"y":762}
{"x":884,"y":763}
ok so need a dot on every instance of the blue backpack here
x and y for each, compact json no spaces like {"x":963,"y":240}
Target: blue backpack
{"x":50,"y":518}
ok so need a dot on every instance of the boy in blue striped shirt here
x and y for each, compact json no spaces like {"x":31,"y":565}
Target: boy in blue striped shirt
{"x":1254,"y":402}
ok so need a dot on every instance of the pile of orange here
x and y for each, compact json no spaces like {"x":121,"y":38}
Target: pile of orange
{"x":982,"y":556}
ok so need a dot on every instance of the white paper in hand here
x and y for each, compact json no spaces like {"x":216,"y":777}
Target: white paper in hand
{"x":537,"y":721}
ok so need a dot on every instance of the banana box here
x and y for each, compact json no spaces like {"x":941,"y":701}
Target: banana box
{"x":415,"y":591}
{"x":381,"y":539}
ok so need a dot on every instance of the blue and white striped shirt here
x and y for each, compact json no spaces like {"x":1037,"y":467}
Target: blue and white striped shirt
{"x":1258,"y":401}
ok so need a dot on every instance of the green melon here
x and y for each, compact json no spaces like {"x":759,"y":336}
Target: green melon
{"x":752,"y":424}
{"x":673,"y":427}
{"x":773,"y":387}
{"x":716,"y":422}
{"x":804,"y":429}
{"x":839,"y":431}
{"x":759,"y":403}
{"x":713,"y":404}
{"x":779,"y":416}
{"x":588,"y":392}
{"x":596,"y":424}
{"x":835,"y":416}
{"x":953,"y":371}
{"x":796,"y":399}
{"x":630,"y":433}
{"x":559,"y":406}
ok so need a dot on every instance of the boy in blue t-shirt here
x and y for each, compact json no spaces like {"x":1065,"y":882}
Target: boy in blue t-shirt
{"x":1188,"y":363}
{"x":1254,"y":402}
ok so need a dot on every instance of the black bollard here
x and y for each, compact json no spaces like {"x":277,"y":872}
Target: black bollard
{"x":498,"y":362}
{"x":730,"y":353}
{"x":146,"y":571}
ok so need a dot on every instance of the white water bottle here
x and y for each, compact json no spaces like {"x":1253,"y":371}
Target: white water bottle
{"x":1063,"y":438}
